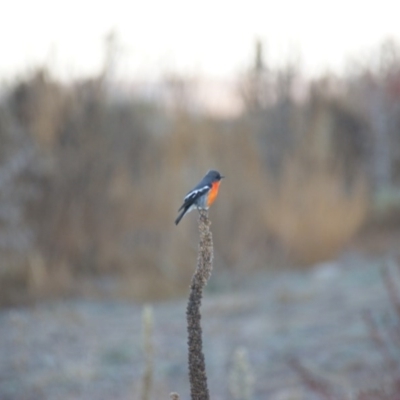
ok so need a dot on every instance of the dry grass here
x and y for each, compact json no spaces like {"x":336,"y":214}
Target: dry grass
{"x":241,"y":376}
{"x":311,"y":211}
{"x":111,"y":177}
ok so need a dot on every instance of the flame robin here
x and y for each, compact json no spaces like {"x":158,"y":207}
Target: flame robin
{"x":202,"y":195}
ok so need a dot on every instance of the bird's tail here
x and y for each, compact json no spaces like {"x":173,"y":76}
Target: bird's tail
{"x":183,"y":212}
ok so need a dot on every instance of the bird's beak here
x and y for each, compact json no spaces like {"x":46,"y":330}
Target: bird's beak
{"x":222,"y":177}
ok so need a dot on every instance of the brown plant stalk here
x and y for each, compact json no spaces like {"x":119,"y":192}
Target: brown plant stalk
{"x":197,"y":366}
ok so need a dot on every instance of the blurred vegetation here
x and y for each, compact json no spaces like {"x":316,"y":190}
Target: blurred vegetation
{"x":91,"y":179}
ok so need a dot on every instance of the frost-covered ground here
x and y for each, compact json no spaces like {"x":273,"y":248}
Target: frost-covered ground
{"x":93,"y":349}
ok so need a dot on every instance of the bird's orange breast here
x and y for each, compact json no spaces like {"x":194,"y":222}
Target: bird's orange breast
{"x":213,"y":193}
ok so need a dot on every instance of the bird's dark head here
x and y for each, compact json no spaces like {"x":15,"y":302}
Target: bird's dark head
{"x":214,"y":175}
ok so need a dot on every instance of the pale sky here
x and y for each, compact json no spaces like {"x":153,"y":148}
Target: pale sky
{"x":207,"y":37}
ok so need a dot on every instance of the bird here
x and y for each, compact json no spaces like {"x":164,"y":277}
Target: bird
{"x":202,"y":195}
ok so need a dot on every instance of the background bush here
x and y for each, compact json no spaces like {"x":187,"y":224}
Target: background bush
{"x":91,"y":179}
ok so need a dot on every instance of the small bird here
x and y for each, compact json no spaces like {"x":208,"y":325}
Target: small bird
{"x":202,"y":195}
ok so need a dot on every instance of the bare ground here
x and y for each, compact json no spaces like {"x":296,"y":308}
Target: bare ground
{"x":84,"y":349}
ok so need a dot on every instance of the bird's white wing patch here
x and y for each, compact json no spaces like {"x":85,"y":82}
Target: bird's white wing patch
{"x":196,"y":193}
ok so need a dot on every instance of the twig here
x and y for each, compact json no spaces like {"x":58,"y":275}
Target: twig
{"x":317,"y":385}
{"x":147,"y":379}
